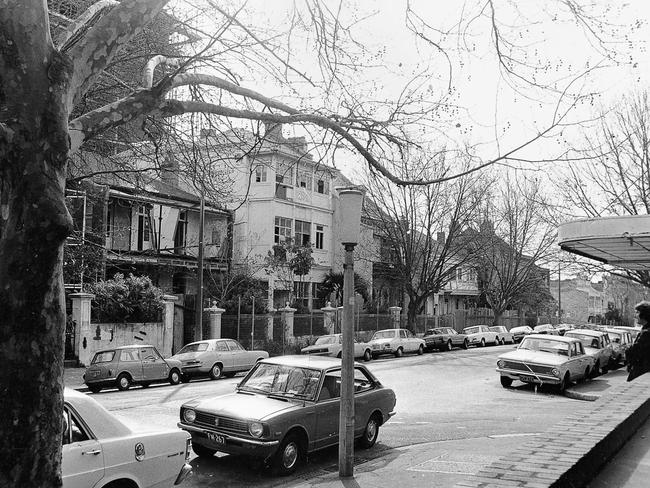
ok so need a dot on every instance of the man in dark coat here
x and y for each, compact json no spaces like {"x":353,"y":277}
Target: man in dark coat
{"x":638,"y":355}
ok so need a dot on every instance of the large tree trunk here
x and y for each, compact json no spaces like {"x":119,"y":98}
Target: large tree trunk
{"x":33,"y":225}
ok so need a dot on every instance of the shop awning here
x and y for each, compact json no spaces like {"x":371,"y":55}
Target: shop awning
{"x":623,"y":242}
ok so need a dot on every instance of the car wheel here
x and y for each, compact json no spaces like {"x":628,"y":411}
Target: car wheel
{"x":596,"y":371}
{"x":340,"y":354}
{"x":465,"y":344}
{"x":587,"y":373}
{"x":230,"y":374}
{"x":399,"y":352}
{"x":174,"y":377}
{"x":604,"y":369}
{"x":367,"y":356}
{"x":506,"y":381}
{"x":566,"y":381}
{"x":215,"y":372}
{"x":123,"y":382}
{"x":420,"y":350}
{"x":202,"y":451}
{"x":370,"y":433}
{"x":450,"y":346}
{"x":288,"y":455}
{"x":95,"y":389}
{"x":483,"y":342}
{"x":497,"y":341}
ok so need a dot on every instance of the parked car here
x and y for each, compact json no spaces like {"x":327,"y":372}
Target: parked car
{"x":480,"y":335}
{"x":621,"y":340}
{"x":216,"y":357}
{"x":124,"y":366}
{"x":596,"y":344}
{"x":395,"y":341}
{"x":101,"y":451}
{"x":634,"y":331}
{"x":546,"y":329}
{"x":562,"y":328}
{"x":331,"y":345}
{"x":518,"y":333}
{"x":503,"y":335}
{"x":444,"y":338}
{"x":285,"y":408}
{"x":545,"y":359}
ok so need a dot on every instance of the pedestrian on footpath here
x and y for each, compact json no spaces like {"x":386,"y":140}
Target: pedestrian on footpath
{"x":638,"y":355}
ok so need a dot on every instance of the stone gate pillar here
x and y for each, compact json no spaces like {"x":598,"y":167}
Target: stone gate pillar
{"x":81,"y":320}
{"x":329,"y":318}
{"x":287,"y":322}
{"x":168,"y":324}
{"x":215,"y":320}
{"x":395,"y":317}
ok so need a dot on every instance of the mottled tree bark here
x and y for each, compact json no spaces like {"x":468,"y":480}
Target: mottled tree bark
{"x":33,"y":226}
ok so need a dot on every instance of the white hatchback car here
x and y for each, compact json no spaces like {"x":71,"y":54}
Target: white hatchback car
{"x":99,"y":450}
{"x":480,"y":335}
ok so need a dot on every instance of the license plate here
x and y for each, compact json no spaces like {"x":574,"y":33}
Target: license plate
{"x":528,"y":379}
{"x":216,"y":438}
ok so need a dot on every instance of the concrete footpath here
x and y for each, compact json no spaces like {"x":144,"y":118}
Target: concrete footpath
{"x":608,"y":426}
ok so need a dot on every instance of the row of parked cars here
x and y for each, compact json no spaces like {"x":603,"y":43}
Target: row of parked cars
{"x":283,"y":409}
{"x":560,"y":359}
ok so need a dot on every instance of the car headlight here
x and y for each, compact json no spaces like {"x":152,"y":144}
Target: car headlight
{"x":555,"y":372}
{"x":501,"y":363}
{"x":189,"y":415}
{"x":256,"y":429}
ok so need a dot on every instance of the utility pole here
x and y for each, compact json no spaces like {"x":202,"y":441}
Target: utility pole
{"x":559,"y":295}
{"x":198,"y":328}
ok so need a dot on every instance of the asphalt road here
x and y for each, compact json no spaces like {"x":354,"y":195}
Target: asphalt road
{"x":452,"y":402}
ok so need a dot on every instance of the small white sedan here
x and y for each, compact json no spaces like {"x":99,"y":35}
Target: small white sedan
{"x":100,"y":451}
{"x":332,"y":345}
{"x":480,"y":335}
{"x":395,"y":341}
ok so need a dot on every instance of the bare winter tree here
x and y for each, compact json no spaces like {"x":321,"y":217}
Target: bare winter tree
{"x":613,"y":176}
{"x":515,"y":241}
{"x":50,"y":63}
{"x":422,"y":229}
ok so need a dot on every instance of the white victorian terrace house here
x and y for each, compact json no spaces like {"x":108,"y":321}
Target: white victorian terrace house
{"x":280,"y":193}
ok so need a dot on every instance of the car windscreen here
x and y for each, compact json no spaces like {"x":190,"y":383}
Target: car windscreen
{"x":545,"y":345}
{"x":278,"y":379}
{"x":103,"y":357}
{"x":199,"y":347}
{"x":383,"y":334}
{"x":587,"y":340}
{"x":326,"y":340}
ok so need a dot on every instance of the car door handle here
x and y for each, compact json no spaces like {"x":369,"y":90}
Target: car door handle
{"x":93,"y":452}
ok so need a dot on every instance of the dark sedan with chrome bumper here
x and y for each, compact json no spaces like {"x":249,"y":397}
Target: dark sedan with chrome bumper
{"x":285,"y":408}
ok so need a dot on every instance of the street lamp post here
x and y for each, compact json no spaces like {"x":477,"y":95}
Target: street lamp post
{"x":351,"y":200}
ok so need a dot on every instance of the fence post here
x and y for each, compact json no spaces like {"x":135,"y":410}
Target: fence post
{"x":329,"y":318}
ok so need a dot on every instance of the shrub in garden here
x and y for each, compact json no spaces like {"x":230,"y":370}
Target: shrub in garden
{"x":130,"y":299}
